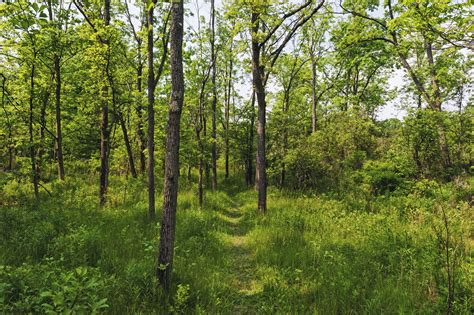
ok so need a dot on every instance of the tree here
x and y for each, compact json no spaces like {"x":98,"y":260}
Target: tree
{"x":267,"y":46}
{"x":214,"y":97}
{"x":406,"y":26}
{"x":170,"y":189}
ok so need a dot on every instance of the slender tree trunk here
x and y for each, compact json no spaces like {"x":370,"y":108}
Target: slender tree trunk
{"x":207,"y":170}
{"x":104,"y":128}
{"x":59,"y":136}
{"x":140,"y":133}
{"x":258,"y":75}
{"x":286,"y":106}
{"x":57,"y":75}
{"x":41,"y":147}
{"x":250,"y":175}
{"x":313,"y":94}
{"x":9,"y":125}
{"x":151,"y":117}
{"x":170,"y":190}
{"x":30,"y":129}
{"x":126,"y":139}
{"x":200,"y":183}
{"x":214,"y":100}
{"x":227,"y":112}
{"x":436,"y":105}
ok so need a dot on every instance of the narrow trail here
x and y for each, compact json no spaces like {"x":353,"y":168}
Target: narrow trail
{"x":241,"y":262}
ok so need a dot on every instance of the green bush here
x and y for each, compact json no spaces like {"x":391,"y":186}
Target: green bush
{"x":47,"y":288}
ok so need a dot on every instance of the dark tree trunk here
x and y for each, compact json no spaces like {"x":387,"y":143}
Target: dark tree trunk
{"x":140,"y":133}
{"x":170,"y":189}
{"x":200,"y":183}
{"x":11,"y":142}
{"x":151,"y":117}
{"x":126,"y":139}
{"x":214,"y":100}
{"x":285,"y":134}
{"x":436,"y":105}
{"x":104,"y":128}
{"x":207,"y":170}
{"x":59,"y":136}
{"x":41,"y":147}
{"x":34,"y":173}
{"x":227,"y":112}
{"x":250,"y":174}
{"x":258,"y":75}
{"x":57,"y":75}
{"x":313,"y":94}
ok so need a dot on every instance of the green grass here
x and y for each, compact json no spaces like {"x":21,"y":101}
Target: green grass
{"x":308,"y":254}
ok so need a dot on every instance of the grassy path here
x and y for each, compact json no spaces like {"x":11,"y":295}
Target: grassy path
{"x":241,"y":265}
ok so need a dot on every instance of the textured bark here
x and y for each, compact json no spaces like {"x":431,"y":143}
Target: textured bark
{"x":258,"y":75}
{"x":151,"y":117}
{"x":57,"y":76}
{"x":104,"y":127}
{"x":128,"y":146}
{"x":170,"y":189}
{"x":35,"y":177}
{"x":42,"y":119}
{"x":314,"y":101}
{"x":139,"y":109}
{"x":214,"y":100}
{"x":250,"y":173}
{"x":11,"y":142}
{"x":59,"y":136}
{"x":436,"y":105}
{"x":227,"y":111}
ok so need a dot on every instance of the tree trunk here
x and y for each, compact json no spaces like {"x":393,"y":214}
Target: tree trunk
{"x":126,"y":139}
{"x":104,"y":128}
{"x":286,"y":106}
{"x":30,"y":129}
{"x":59,"y":136}
{"x":258,"y":75}
{"x":227,"y":113}
{"x":42,"y":118}
{"x":436,"y":105}
{"x":140,"y":133}
{"x":249,"y":173}
{"x":214,"y":100}
{"x":200,"y":183}
{"x":151,"y":117}
{"x":170,"y":189}
{"x":313,"y":94}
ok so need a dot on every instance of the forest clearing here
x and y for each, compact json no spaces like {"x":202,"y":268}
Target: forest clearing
{"x":236,"y":157}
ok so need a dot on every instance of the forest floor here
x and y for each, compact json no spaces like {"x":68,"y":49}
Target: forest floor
{"x":314,"y":254}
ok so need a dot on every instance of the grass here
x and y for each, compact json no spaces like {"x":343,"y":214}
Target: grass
{"x":309,"y":254}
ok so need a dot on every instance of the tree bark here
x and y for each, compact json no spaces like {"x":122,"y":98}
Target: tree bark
{"x":249,"y":173}
{"x":170,"y":190}
{"x":140,"y":133}
{"x":126,"y":139}
{"x":436,"y":105}
{"x":258,"y":75}
{"x":313,"y":93}
{"x":214,"y":100}
{"x":104,"y":128}
{"x":151,"y":117}
{"x":59,"y":136}
{"x":227,"y":111}
{"x":30,"y":128}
